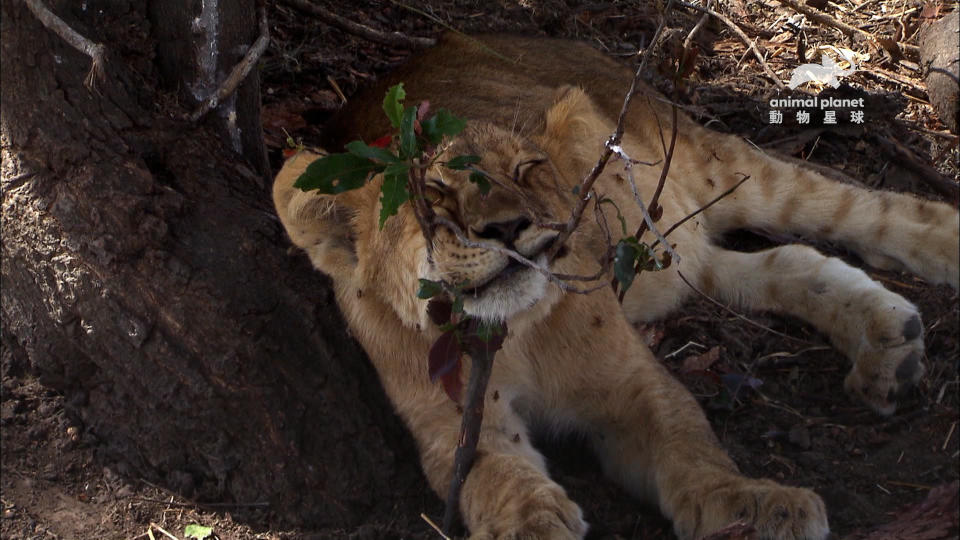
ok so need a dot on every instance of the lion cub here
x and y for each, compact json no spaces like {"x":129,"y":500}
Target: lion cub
{"x":539,"y":112}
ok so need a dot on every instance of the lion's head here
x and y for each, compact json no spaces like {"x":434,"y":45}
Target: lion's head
{"x":532,"y":181}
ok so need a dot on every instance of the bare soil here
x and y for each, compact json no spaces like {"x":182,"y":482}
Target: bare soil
{"x":776,"y":402}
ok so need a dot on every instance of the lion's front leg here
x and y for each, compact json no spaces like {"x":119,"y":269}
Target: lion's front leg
{"x":657,"y":440}
{"x":652,"y":436}
{"x":507,"y":494}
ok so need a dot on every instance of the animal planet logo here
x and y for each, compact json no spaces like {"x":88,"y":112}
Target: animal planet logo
{"x":829,"y":71}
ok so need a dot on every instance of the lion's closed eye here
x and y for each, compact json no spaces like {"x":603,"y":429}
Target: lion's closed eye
{"x":520,"y":169}
{"x":436,"y":190}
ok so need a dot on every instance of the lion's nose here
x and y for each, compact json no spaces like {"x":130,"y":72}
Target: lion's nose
{"x":504,"y":231}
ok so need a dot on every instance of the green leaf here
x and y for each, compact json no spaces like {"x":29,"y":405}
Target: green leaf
{"x":460,"y":163}
{"x":481,"y":181}
{"x":428,"y":289}
{"x":408,"y":137}
{"x":394,"y":192}
{"x":440,"y":124}
{"x":337,"y":173}
{"x":623,"y":263}
{"x":393,"y":104}
{"x":197,"y":531}
{"x":360,"y":149}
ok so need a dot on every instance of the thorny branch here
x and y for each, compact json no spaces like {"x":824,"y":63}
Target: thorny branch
{"x":239,"y":71}
{"x":96,"y":51}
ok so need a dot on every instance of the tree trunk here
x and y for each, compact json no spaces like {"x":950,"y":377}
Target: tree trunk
{"x":146,"y":277}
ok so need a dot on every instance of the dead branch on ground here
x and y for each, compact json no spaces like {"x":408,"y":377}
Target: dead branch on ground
{"x":390,"y":39}
{"x":925,"y":172}
{"x":743,"y":37}
{"x":823,"y":18}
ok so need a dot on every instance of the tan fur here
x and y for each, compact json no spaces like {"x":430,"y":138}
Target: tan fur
{"x":573,"y":362}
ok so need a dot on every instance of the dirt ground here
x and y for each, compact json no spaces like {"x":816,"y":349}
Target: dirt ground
{"x":776,"y":402}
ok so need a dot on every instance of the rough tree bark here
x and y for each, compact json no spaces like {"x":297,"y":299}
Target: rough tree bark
{"x":146,"y":277}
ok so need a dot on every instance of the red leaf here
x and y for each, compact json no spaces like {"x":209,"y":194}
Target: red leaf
{"x":445,"y":363}
{"x":382,"y":142}
{"x":289,"y":152}
{"x":451,"y":383}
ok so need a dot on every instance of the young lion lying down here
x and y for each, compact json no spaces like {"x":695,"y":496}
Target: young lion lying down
{"x":539,"y":113}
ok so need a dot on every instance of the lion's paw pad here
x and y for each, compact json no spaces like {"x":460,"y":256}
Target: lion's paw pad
{"x":551,"y":516}
{"x":774,"y":511}
{"x":889,"y":363}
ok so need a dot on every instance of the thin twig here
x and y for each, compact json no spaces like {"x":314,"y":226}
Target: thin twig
{"x":434,"y":526}
{"x":390,"y":39}
{"x":239,"y":71}
{"x":455,"y":229}
{"x":891,"y":77}
{"x":743,"y":37}
{"x":701,"y":209}
{"x":737,"y":315}
{"x":202,"y":504}
{"x":96,"y":51}
{"x":823,"y":18}
{"x":165,"y":533}
{"x":668,"y":158}
{"x":697,"y":27}
{"x":422,"y":210}
{"x":337,"y":89}
{"x":586,"y":186}
{"x":647,"y":218}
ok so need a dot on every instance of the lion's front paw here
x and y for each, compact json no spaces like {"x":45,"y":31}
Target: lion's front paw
{"x":543,"y":513}
{"x":888,"y":361}
{"x":775,"y":511}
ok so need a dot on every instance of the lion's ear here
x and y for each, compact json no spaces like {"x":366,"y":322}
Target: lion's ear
{"x":319,"y":224}
{"x":572,"y":124}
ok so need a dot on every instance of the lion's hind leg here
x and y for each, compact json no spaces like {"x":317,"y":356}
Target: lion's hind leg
{"x":891,"y":231}
{"x":877,"y":329}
